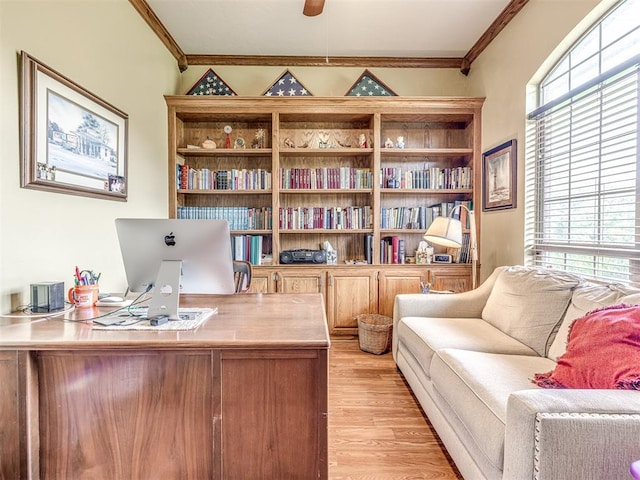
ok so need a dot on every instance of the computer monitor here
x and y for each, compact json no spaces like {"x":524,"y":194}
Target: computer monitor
{"x":174,"y":256}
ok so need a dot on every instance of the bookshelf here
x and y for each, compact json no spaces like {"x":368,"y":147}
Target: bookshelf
{"x":291,"y":173}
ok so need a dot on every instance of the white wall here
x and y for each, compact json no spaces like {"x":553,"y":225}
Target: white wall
{"x":532,"y":42}
{"x":106,"y":47}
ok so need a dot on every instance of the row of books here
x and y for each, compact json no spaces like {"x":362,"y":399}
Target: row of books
{"x":188,"y":178}
{"x":434,"y":178}
{"x":392,"y":250}
{"x":251,"y":248}
{"x":331,"y":218}
{"x":325,"y":178}
{"x":406,"y":217}
{"x":445,"y":208}
{"x":239,"y":218}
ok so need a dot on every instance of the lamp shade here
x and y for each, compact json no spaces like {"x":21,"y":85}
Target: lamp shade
{"x":445,"y":231}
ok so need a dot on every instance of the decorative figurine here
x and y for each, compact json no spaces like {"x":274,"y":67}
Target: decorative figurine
{"x":388,"y":143}
{"x":208,"y":143}
{"x":362,"y":140}
{"x":400,"y":142}
{"x":424,"y":253}
{"x":258,"y":141}
{"x":227,"y":138}
{"x":289,"y":143}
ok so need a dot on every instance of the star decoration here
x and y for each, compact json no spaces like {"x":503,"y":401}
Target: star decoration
{"x":211,"y":84}
{"x":295,"y":87}
{"x":369,"y":85}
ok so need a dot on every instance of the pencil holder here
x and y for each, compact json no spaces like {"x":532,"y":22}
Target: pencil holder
{"x":84,"y":296}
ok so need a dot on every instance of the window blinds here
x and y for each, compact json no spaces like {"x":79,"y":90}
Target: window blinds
{"x":583,"y":195}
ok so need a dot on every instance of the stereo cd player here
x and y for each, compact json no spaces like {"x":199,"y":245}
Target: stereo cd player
{"x":303,"y":256}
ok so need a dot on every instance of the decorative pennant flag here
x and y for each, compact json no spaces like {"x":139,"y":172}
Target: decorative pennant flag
{"x":287,"y":86}
{"x":211,"y":84}
{"x":369,"y":86}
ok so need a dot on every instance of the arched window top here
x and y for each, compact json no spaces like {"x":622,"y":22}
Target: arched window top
{"x":612,"y":41}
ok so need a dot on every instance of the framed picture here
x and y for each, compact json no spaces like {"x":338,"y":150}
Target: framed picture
{"x":499,"y":177}
{"x":71,"y":140}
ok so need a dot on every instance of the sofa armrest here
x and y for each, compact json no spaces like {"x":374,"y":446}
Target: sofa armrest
{"x":553,"y":434}
{"x":462,"y":305}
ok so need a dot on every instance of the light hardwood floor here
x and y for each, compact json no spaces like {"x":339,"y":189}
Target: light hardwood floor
{"x":377,"y":430}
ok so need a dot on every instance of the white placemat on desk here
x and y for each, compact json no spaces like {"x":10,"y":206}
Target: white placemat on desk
{"x":193,"y":318}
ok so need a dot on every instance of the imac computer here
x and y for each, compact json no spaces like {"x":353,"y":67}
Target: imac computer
{"x":174,"y":256}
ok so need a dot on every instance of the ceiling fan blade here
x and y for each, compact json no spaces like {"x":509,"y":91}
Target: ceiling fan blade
{"x":313,"y":7}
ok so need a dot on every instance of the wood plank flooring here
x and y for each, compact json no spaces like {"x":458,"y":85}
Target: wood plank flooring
{"x":377,"y":430}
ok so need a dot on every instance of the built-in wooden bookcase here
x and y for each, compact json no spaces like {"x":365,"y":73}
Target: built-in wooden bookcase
{"x":299,"y":172}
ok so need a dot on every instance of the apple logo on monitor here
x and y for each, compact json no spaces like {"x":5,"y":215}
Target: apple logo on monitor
{"x":170,"y":240}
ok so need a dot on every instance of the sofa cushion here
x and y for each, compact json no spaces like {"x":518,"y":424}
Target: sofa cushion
{"x":528,"y":303}
{"x":475,"y":386}
{"x":603,"y":352}
{"x":585,"y":299}
{"x":422,"y":336}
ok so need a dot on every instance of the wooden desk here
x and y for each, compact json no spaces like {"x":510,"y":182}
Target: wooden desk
{"x":243,"y":396}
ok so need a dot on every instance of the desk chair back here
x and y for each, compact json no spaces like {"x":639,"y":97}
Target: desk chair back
{"x":242,"y":275}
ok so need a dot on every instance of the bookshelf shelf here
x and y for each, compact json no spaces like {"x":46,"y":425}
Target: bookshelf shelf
{"x":224,"y":152}
{"x":195,"y":191}
{"x":426,"y":152}
{"x":325,"y":231}
{"x":326,"y":191}
{"x":426,"y":191}
{"x":325,"y":152}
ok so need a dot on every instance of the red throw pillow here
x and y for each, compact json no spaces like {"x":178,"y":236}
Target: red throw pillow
{"x":603,"y":352}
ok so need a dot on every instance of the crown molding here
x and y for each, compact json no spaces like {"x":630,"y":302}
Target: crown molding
{"x":149,"y":16}
{"x":302,"y":61}
{"x":464,"y":64}
{"x":501,"y":21}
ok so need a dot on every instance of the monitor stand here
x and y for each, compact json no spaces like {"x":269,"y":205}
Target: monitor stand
{"x":166,"y":291}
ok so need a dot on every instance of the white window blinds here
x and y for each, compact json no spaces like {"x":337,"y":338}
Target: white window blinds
{"x":583,"y":190}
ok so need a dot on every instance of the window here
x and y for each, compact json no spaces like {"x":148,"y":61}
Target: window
{"x":582,"y":175}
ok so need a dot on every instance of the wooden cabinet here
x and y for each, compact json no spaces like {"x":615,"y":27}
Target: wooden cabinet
{"x":451,"y":279}
{"x":300,"y":280}
{"x":350,"y":292}
{"x":366,"y":175}
{"x":395,"y":281}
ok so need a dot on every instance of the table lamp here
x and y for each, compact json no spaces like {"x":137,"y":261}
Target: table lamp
{"x":447,"y":232}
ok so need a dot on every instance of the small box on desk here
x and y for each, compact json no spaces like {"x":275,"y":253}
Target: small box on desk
{"x":47,"y":296}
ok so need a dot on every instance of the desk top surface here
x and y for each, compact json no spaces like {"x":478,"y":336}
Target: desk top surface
{"x":243,"y":321}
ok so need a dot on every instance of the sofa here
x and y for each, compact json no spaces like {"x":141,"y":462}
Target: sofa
{"x":481,"y":364}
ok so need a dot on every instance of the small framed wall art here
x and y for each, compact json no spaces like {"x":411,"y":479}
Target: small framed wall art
{"x":499,"y":177}
{"x":71,"y":140}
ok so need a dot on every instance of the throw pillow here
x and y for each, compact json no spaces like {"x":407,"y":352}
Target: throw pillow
{"x":603,"y":352}
{"x":527,"y":303}
{"x":586,"y":298}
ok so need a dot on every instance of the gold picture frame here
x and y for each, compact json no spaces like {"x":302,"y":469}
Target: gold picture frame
{"x":71,"y":141}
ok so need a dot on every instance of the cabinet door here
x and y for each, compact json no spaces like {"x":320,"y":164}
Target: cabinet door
{"x":393,"y":282}
{"x":454,"y":278}
{"x":349,"y":293}
{"x":300,"y":281}
{"x":262,"y":281}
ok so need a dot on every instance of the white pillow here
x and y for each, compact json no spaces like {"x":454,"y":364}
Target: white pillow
{"x":586,"y":298}
{"x":527,"y":303}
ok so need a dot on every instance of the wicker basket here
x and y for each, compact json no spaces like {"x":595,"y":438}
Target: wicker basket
{"x":374,"y":332}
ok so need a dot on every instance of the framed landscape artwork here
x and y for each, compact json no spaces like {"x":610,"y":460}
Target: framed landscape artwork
{"x":71,"y":140}
{"x":499,"y":177}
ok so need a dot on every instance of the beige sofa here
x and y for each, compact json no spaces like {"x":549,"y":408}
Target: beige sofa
{"x":470,"y":359}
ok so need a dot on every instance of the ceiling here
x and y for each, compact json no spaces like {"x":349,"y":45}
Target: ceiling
{"x":402,"y":32}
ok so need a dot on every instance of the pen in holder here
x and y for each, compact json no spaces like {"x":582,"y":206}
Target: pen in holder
{"x":85,"y":293}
